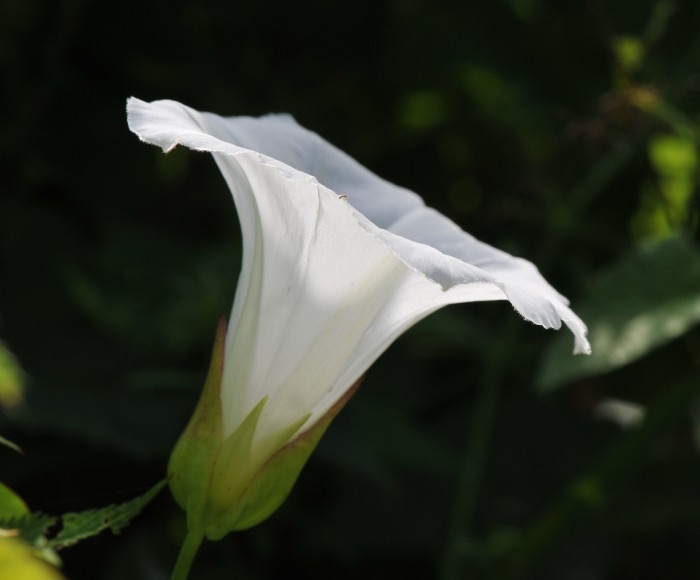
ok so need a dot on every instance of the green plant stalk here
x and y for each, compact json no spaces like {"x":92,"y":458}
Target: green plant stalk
{"x":566,"y":211}
{"x":189,"y":549}
{"x":479,"y":439}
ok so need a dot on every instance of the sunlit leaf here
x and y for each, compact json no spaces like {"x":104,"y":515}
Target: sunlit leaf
{"x":11,"y":382}
{"x":648,"y":298}
{"x":11,"y":505}
{"x":664,"y":206}
{"x":19,"y":562}
{"x":629,"y":53}
{"x":672,"y":156}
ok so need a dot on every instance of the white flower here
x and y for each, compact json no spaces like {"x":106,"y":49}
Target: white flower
{"x":337,"y":263}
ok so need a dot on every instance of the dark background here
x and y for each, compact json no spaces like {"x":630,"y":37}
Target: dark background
{"x":532,"y":124}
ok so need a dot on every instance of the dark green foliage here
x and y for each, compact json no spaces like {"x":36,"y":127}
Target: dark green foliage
{"x":39,"y":530}
{"x":646,"y":299}
{"x":566,"y":133}
{"x":31,"y":527}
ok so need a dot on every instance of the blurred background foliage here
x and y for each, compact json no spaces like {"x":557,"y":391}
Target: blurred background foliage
{"x":566,"y":133}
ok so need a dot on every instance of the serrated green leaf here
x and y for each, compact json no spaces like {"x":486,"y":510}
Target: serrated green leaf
{"x":645,"y":300}
{"x":29,"y":527}
{"x":81,"y":525}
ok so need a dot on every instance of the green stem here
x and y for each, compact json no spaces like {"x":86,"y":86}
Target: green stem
{"x":479,"y":439}
{"x":187,"y":553}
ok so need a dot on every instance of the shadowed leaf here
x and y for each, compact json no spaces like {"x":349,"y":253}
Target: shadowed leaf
{"x":645,"y":300}
{"x":81,"y":525}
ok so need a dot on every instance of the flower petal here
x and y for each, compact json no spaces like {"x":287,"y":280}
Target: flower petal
{"x":324,"y":287}
{"x":282,"y":138}
{"x":526,"y":289}
{"x":319,"y":297}
{"x":402,"y":212}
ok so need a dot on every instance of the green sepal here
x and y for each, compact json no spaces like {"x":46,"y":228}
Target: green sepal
{"x":270,"y":485}
{"x":232,"y":484}
{"x":232,"y":468}
{"x":190,"y":467}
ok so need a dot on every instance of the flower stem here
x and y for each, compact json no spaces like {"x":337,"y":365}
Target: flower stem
{"x":479,"y":439}
{"x":193,"y":540}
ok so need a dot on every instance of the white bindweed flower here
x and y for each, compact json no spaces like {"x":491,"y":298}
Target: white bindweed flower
{"x":337,"y":263}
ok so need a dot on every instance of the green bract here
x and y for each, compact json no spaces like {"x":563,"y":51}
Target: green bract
{"x":222,"y":483}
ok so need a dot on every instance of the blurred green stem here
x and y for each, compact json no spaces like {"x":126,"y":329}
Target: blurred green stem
{"x":189,"y":549}
{"x":566,"y":212}
{"x":479,"y":439}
